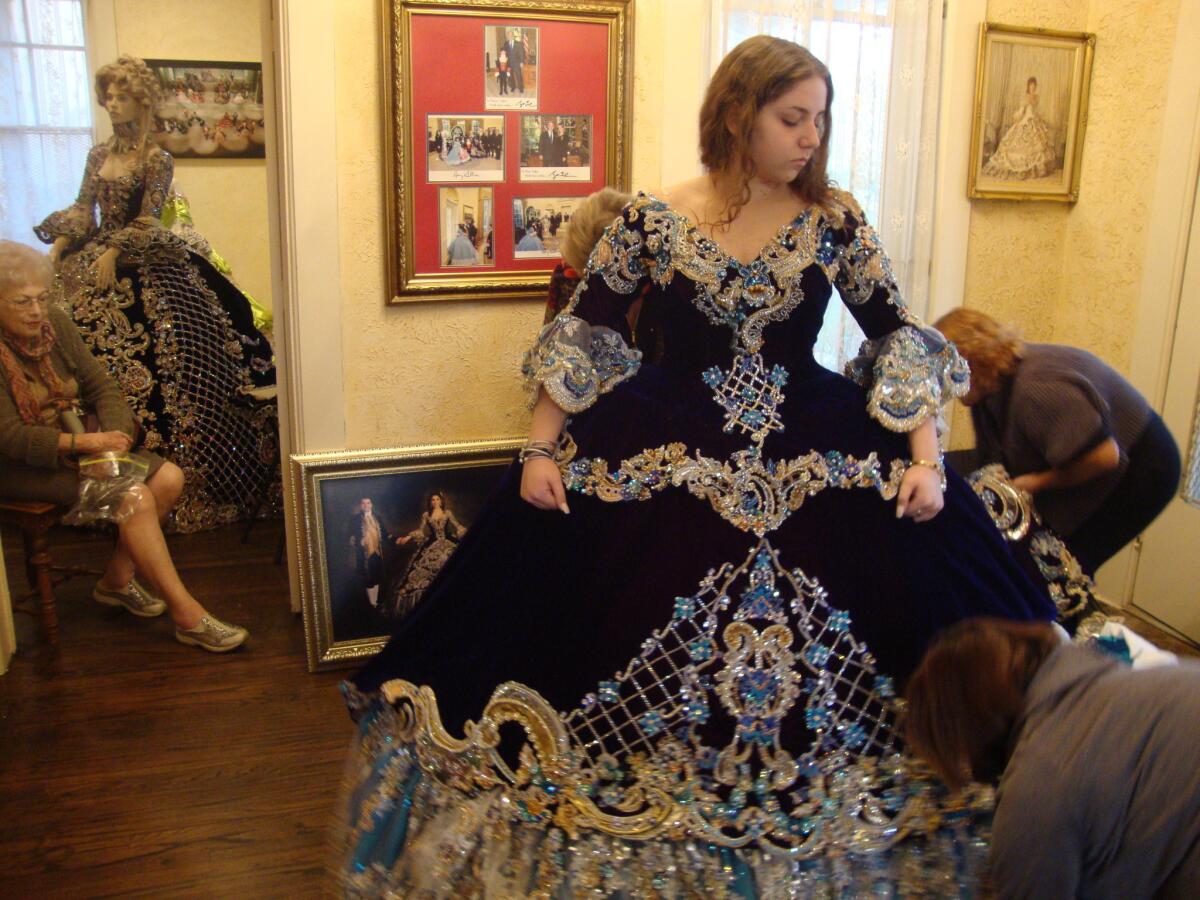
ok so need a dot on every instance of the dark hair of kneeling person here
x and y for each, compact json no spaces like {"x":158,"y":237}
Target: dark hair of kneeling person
{"x":1096,"y":762}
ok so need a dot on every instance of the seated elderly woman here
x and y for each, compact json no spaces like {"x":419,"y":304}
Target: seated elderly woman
{"x":48,"y":370}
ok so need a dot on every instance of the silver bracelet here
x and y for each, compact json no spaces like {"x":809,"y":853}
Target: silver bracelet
{"x":538,"y":450}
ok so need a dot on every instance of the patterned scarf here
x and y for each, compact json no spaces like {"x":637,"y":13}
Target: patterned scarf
{"x":35,"y":349}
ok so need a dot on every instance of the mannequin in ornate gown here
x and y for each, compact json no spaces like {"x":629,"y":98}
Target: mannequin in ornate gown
{"x":1026,"y":150}
{"x":177,"y":336}
{"x":703,"y":656}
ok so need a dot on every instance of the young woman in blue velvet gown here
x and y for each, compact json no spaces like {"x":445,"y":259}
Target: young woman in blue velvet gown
{"x":695,"y":598}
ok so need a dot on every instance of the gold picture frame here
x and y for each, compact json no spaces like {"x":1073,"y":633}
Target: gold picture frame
{"x":343,"y":624}
{"x":559,"y":33}
{"x":1030,"y":113}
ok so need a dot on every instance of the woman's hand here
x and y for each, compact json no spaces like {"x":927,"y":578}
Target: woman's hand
{"x":920,"y":497}
{"x":56,"y":251}
{"x":105,"y":268}
{"x":1032,"y":482}
{"x":103,"y":442}
{"x":541,"y":485}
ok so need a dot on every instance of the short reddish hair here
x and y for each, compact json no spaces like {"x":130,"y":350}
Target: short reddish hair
{"x":991,"y":349}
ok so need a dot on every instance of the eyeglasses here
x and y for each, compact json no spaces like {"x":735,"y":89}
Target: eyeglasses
{"x":24,"y":303}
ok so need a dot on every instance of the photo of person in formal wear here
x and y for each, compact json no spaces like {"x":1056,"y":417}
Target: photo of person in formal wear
{"x":1027,"y":149}
{"x":556,"y":148}
{"x":464,"y":148}
{"x":1027,"y":109}
{"x":538,"y":225}
{"x":510,"y":67}
{"x":466,"y":223}
{"x":368,"y":537}
{"x":433,"y":540}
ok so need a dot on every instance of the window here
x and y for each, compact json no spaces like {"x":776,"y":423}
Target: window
{"x":881,"y":112}
{"x":45,"y":111}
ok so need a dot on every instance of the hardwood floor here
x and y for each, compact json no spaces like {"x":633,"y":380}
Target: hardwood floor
{"x":132,"y":766}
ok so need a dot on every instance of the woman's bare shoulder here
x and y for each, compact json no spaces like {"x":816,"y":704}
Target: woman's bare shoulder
{"x":689,"y":197}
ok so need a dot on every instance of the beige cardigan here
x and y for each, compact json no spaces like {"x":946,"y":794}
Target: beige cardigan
{"x":37,"y":445}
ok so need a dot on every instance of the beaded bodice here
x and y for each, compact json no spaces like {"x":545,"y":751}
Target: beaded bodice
{"x":119,"y":201}
{"x":715,"y":303}
{"x":129,"y":206}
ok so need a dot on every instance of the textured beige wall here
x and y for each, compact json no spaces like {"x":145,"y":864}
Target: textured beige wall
{"x":1070,"y":274}
{"x":228,"y":197}
{"x":439,"y":372}
{"x":1107,"y":232}
{"x":1016,"y":249}
{"x":433,"y":372}
{"x":414,"y":373}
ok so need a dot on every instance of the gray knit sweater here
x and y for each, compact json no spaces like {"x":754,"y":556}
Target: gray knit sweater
{"x":1060,"y":403}
{"x":1101,"y":797}
{"x":37,"y":445}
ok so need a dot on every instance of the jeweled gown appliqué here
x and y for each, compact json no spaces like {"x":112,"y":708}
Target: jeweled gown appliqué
{"x":705,"y":654}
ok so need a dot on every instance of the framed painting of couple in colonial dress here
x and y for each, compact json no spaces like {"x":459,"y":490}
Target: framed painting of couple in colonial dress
{"x":544,"y":121}
{"x":376,"y":527}
{"x":1031,"y":102}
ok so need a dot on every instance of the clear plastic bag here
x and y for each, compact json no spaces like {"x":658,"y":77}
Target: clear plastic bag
{"x":110,"y":485}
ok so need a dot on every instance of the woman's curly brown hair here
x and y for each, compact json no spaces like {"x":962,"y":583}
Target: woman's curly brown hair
{"x":750,"y":76}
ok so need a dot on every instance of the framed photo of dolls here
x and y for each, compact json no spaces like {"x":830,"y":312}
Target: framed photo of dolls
{"x":1031,"y":106}
{"x":545,"y":124}
{"x":209,"y":110}
{"x":376,"y":527}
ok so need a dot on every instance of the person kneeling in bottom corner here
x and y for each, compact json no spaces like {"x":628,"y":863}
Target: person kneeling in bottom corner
{"x":47,"y":369}
{"x":1096,"y":761}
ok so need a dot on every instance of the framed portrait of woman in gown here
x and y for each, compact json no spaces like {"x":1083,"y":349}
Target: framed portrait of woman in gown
{"x":1031,"y":100}
{"x":541,"y":111}
{"x":376,"y":527}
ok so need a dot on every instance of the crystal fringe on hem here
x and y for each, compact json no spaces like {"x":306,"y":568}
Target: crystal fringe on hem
{"x":419,"y":820}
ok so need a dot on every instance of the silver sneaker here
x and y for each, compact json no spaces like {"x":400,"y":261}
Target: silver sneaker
{"x":133,"y":597}
{"x":212,"y":634}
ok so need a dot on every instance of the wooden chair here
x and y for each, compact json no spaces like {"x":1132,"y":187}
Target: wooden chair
{"x":35,"y":520}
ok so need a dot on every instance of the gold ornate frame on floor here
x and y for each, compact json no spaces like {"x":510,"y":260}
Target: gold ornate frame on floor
{"x":341,"y":622}
{"x":447,"y":37}
{"x":998,"y":45}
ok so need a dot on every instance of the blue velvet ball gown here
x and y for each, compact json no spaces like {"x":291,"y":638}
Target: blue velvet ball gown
{"x":703,"y":658}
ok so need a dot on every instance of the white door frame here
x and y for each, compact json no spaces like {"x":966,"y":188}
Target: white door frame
{"x":300,"y":77}
{"x":1168,"y":221}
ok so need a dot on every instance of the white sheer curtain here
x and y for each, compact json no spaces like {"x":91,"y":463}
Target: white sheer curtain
{"x":45,"y":111}
{"x":885,"y":59}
